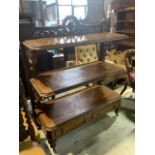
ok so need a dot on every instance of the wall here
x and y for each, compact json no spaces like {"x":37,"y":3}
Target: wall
{"x":98,"y":10}
{"x":95,"y":11}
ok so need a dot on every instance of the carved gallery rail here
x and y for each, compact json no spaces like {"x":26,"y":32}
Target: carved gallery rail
{"x":64,"y":114}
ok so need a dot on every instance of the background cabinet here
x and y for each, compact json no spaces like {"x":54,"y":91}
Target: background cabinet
{"x":126,"y":25}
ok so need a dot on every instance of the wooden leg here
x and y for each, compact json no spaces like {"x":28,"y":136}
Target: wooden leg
{"x":116,"y":111}
{"x":53,"y":97}
{"x":113,"y":85}
{"x":102,"y":51}
{"x":51,"y":141}
{"x":99,"y":83}
{"x":124,"y":89}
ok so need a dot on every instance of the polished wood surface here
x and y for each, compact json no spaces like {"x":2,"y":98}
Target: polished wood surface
{"x":65,"y":114}
{"x":63,"y":109}
{"x":34,"y":47}
{"x":54,"y":82}
{"x":59,"y":42}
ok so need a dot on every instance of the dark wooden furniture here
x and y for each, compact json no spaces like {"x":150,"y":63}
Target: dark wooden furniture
{"x":64,"y":114}
{"x":73,"y":33}
{"x":48,"y":84}
{"x":126,"y":25}
{"x":60,"y":116}
{"x":25,"y":26}
{"x":25,"y":32}
{"x":36,"y":46}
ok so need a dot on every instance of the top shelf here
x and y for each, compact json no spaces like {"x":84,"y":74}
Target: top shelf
{"x":126,"y":9}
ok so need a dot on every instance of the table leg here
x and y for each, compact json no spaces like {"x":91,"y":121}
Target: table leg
{"x":51,"y":140}
{"x":102,"y":51}
{"x":116,"y":111}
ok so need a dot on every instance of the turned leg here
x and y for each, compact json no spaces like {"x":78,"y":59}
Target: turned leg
{"x":124,"y":89}
{"x":51,"y":141}
{"x":53,"y":97}
{"x":116,"y":111}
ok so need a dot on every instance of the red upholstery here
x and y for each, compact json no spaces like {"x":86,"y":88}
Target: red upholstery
{"x":130,"y":66}
{"x":132,"y":76}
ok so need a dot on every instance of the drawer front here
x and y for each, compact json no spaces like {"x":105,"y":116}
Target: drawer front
{"x":69,"y":126}
{"x":77,"y":122}
{"x":102,"y":111}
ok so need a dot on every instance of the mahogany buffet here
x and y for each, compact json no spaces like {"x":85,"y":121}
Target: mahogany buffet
{"x":36,"y":46}
{"x":59,"y":116}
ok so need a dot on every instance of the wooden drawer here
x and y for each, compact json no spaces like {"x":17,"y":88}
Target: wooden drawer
{"x":102,"y":111}
{"x":87,"y":117}
{"x":72,"y":125}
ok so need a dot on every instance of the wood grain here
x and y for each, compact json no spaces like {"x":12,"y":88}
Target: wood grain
{"x":68,"y":41}
{"x":66,"y":79}
{"x":40,"y":88}
{"x":65,"y":109}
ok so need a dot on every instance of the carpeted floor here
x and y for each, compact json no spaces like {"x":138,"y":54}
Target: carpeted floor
{"x":109,"y":135}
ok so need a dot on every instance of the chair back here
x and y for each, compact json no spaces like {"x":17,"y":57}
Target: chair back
{"x":86,"y":54}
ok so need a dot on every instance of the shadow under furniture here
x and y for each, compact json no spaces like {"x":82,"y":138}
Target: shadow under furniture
{"x":66,"y":36}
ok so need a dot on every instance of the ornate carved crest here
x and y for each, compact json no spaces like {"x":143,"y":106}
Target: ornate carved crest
{"x":70,"y":26}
